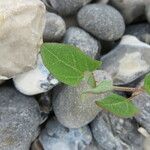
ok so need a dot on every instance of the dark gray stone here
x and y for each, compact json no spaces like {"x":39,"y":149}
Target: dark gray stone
{"x":142,"y":101}
{"x":56,"y":137}
{"x":103,"y":21}
{"x":130,"y":9}
{"x":70,"y":109}
{"x":112,"y":133}
{"x":141,"y":31}
{"x":128,"y":61}
{"x":82,"y":40}
{"x":67,"y":7}
{"x":55,"y":27}
{"x":19,"y":120}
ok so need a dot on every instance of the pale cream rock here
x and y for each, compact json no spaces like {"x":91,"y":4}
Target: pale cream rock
{"x":21,"y":28}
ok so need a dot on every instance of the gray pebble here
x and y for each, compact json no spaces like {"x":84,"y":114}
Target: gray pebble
{"x":112,"y":133}
{"x":128,"y":61}
{"x":56,"y":137}
{"x":141,"y":31}
{"x":103,"y":21}
{"x":70,"y":109}
{"x":19,"y":120}
{"x":55,"y":27}
{"x":67,"y":7}
{"x":142,"y":101}
{"x":130,"y":9}
{"x":82,"y":40}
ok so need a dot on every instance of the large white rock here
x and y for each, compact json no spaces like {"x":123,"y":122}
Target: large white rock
{"x":21,"y":29}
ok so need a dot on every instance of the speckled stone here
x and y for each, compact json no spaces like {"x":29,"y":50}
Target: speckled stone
{"x":70,"y":109}
{"x":19,"y":119}
{"x":113,"y":133}
{"x":128,"y":61}
{"x":55,"y":136}
{"x":55,"y":27}
{"x":81,"y":39}
{"x":103,"y":21}
{"x":67,"y":7}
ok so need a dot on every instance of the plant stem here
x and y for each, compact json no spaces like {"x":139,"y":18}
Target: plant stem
{"x":125,"y":89}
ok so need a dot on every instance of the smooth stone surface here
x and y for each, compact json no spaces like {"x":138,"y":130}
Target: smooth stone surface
{"x":103,"y":21}
{"x":20,"y":120}
{"x":55,"y":27}
{"x":67,"y":7}
{"x":113,"y":133}
{"x":148,"y":12}
{"x":21,"y":29}
{"x":141,"y":31}
{"x":36,"y":81}
{"x":128,"y":61}
{"x":81,"y":39}
{"x":142,"y":101}
{"x":130,"y":9}
{"x":70,"y":109}
{"x":56,"y":137}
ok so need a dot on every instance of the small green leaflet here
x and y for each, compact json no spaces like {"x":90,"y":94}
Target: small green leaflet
{"x":89,"y":77}
{"x":147,"y":83}
{"x":67,"y":63}
{"x":118,"y":105}
{"x":104,"y":86}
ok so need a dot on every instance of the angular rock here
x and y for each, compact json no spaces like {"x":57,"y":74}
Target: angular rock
{"x":142,"y":101}
{"x":111,"y":133}
{"x":130,"y":9}
{"x":81,"y":39}
{"x":55,"y":27}
{"x":20,"y":119}
{"x":56,"y":136}
{"x":128,"y":61}
{"x":141,"y":31}
{"x":103,"y":21}
{"x":67,"y":7}
{"x":73,"y":111}
{"x":36,"y":81}
{"x":21,"y":30}
{"x":148,"y":12}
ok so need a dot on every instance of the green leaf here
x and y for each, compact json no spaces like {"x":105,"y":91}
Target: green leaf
{"x":67,"y":63}
{"x":89,"y":77}
{"x":104,"y":86}
{"x":118,"y":105}
{"x":147,"y":83}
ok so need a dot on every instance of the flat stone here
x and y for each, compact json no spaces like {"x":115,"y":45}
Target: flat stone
{"x":101,"y":20}
{"x":128,"y":61}
{"x":113,"y":133}
{"x":20,"y":120}
{"x":130,"y":9}
{"x":83,"y":40}
{"x":55,"y":136}
{"x":70,"y":109}
{"x":21,"y":29}
{"x":55,"y":27}
{"x":36,"y":81}
{"x":68,"y":7}
{"x":141,"y":31}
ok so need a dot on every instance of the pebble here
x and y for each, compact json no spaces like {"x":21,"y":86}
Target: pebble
{"x":113,"y":133}
{"x":72,"y":111}
{"x":55,"y":27}
{"x":56,"y":136}
{"x":101,"y":20}
{"x":141,"y":31}
{"x":67,"y":7}
{"x":20,"y":37}
{"x":128,"y":61}
{"x":36,"y":81}
{"x":81,"y":39}
{"x":19,"y":119}
{"x":131,"y":10}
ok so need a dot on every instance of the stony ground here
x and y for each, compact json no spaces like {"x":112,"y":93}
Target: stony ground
{"x":37,"y":112}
